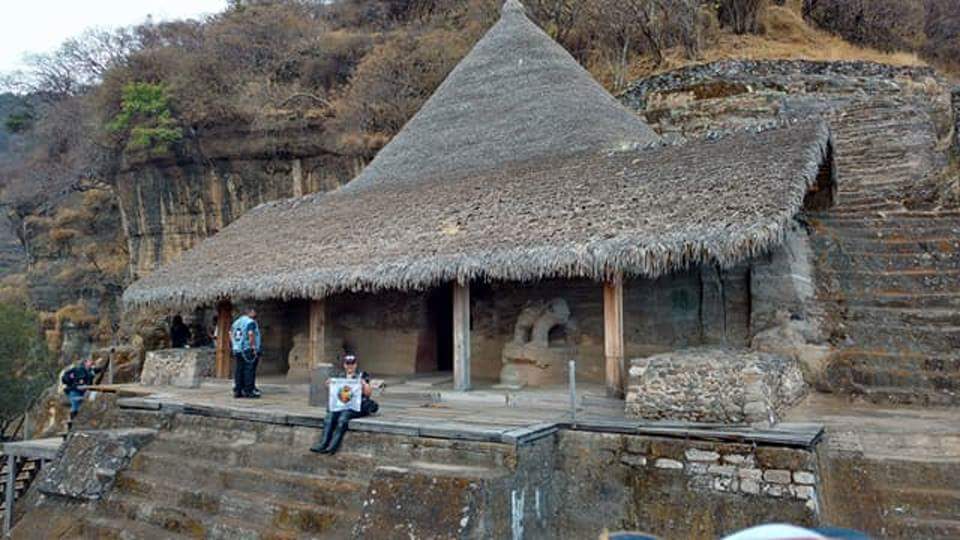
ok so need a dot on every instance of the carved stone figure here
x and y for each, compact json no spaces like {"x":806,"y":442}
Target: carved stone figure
{"x":532,"y":357}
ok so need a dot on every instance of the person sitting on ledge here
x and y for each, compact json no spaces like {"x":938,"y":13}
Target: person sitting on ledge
{"x":335,"y":424}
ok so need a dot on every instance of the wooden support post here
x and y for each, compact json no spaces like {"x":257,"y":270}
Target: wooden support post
{"x":613,"y":335}
{"x":461,"y":336}
{"x":224,"y":354}
{"x":317,"y":332}
{"x":9,"y":495}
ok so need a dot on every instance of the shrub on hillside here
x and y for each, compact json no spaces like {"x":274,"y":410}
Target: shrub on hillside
{"x":25,"y":362}
{"x":145,"y":119}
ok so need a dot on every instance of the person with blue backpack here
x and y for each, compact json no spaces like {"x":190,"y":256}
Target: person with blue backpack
{"x":247,"y":348}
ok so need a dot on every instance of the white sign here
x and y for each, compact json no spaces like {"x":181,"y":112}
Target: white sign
{"x":344,"y":394}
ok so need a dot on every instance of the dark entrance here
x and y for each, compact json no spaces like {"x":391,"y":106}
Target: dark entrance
{"x":435,"y":347}
{"x":435,"y":350}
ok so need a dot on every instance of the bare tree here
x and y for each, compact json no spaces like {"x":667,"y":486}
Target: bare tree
{"x":630,"y":23}
{"x":742,"y":16}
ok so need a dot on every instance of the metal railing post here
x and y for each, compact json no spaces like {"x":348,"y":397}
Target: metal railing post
{"x":11,"y":484}
{"x":572,"y":365}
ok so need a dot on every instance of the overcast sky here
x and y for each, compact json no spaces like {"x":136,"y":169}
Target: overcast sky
{"x":36,"y":26}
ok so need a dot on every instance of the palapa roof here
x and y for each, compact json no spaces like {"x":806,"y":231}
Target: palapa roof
{"x":520,"y":167}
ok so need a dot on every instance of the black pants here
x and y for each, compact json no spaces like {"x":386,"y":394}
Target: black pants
{"x":245,"y":372}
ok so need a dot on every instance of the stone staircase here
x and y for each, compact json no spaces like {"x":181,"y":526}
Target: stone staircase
{"x":888,"y":269}
{"x":216,"y":478}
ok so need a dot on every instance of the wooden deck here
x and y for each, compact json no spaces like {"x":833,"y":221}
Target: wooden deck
{"x":437,"y":411}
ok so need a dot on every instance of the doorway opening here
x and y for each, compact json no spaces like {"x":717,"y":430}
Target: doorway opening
{"x":436,"y":346}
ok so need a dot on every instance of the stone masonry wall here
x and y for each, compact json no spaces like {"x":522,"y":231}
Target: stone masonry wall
{"x":680,"y":488}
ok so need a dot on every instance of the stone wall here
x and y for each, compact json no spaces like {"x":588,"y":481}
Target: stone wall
{"x":185,"y":368}
{"x":679,"y":488}
{"x":714,"y":385}
{"x":386,"y":330}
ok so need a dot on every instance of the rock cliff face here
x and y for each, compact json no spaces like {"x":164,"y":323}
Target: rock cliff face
{"x":886,"y":254}
{"x":169,"y":204}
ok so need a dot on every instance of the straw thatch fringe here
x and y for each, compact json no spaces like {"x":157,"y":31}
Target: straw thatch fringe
{"x":643,"y":213}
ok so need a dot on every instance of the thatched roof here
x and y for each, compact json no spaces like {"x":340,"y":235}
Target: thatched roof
{"x":514,"y":210}
{"x":643,"y":212}
{"x":516,"y":97}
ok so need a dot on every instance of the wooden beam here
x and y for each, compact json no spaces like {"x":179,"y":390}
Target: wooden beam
{"x":317,"y":333}
{"x":461,"y":336}
{"x":613,"y":335}
{"x":224,"y":354}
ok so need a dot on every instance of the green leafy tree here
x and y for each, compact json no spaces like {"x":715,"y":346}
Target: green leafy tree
{"x":26,"y":366}
{"x":145,"y":118}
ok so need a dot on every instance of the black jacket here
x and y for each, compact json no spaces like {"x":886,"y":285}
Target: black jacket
{"x":78,"y":376}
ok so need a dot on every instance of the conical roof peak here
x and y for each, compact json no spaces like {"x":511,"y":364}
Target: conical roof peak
{"x":512,"y":6}
{"x":518,"y":96}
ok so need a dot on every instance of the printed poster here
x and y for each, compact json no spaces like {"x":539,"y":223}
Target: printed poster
{"x":344,"y":394}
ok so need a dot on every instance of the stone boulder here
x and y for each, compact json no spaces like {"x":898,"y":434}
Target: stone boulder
{"x":184,"y":368}
{"x":714,"y":385}
{"x":89,"y":461}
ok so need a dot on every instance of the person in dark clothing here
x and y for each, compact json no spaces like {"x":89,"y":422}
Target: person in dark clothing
{"x":335,"y":424}
{"x":179,"y":333}
{"x":247,"y":348}
{"x":75,"y":381}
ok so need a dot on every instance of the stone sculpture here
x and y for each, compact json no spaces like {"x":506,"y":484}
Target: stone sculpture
{"x":531,"y":358}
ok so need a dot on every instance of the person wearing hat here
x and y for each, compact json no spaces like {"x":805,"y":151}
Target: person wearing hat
{"x":335,"y":424}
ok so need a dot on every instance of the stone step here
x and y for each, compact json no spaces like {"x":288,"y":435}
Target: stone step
{"x":200,"y":500}
{"x":909,"y":338}
{"x":270,"y":456}
{"x":859,"y":282}
{"x":846,"y":207}
{"x":875,"y":377}
{"x":121,"y":529}
{"x":359,"y":448}
{"x":325,"y":490}
{"x":894,"y":299}
{"x":194,"y":523}
{"x":832,"y":260}
{"x":881,"y":316}
{"x":879,"y":230}
{"x":917,"y":245}
{"x":898,"y":395}
{"x":906,"y":217}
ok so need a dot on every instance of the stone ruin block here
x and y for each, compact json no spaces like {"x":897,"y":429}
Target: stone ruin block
{"x":713,"y":385}
{"x":184,"y":368}
{"x":87,"y":464}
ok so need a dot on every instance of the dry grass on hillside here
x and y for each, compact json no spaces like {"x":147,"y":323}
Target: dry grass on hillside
{"x":786,"y":36}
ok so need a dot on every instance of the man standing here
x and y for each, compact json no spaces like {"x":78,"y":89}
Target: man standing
{"x":75,"y":381}
{"x":335,"y":424}
{"x":247,"y":347}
